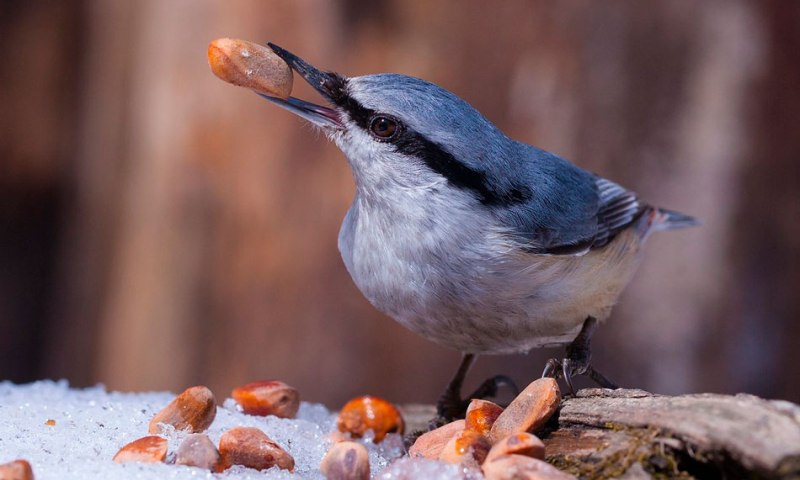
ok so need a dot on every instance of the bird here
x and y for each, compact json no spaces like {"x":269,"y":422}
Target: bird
{"x":471,"y":239}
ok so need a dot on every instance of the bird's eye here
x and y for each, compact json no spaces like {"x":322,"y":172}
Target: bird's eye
{"x":383,"y":127}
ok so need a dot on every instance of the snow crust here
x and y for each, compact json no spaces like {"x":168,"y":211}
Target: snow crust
{"x":70,"y":434}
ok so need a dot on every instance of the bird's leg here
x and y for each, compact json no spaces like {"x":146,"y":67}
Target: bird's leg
{"x":577,"y":361}
{"x":452,"y":406}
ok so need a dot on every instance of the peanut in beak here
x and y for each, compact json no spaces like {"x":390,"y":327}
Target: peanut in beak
{"x":250,"y":65}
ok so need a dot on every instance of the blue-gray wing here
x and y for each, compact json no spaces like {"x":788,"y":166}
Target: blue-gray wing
{"x":570,"y":210}
{"x":619,"y":208}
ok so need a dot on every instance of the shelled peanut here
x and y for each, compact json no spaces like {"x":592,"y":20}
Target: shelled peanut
{"x":250,"y":65}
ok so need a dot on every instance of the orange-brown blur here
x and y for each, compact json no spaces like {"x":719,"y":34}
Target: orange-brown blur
{"x":160,"y":228}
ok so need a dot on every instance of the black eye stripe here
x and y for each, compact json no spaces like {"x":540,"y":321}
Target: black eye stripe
{"x":457,"y":173}
{"x":357,"y":112}
{"x":435,"y":157}
{"x":363,"y":116}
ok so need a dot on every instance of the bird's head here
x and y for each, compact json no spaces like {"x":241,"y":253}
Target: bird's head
{"x":403,"y":130}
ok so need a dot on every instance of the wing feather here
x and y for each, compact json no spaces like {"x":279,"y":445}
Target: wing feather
{"x":570,"y":211}
{"x":618,"y":208}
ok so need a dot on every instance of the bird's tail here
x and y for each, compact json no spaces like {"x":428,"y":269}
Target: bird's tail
{"x":670,"y":220}
{"x":659,"y":219}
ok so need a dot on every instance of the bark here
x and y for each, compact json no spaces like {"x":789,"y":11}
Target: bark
{"x":635,"y":434}
{"x":704,"y":435}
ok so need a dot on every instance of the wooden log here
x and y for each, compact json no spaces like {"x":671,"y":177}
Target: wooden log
{"x":704,"y":435}
{"x":633,"y":434}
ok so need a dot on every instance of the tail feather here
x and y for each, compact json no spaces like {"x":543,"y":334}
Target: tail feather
{"x":659,"y":219}
{"x":670,"y":220}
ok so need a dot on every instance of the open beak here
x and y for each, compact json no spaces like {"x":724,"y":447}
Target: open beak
{"x":328,"y":84}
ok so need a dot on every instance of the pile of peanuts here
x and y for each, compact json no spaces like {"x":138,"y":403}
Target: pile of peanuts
{"x":499,"y":442}
{"x":194,"y":411}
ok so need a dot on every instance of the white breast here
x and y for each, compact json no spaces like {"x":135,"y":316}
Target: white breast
{"x":461,"y":282}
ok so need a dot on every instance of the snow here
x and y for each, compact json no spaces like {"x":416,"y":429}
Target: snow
{"x":416,"y":468}
{"x":92,"y":424}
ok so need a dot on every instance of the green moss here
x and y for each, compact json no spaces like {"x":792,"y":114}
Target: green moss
{"x":643,"y":447}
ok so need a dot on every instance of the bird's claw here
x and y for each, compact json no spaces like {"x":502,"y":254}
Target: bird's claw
{"x":577,"y":361}
{"x":568,"y":368}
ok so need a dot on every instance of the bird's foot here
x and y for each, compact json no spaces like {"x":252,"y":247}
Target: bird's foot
{"x":577,"y":361}
{"x":451,"y":406}
{"x":567,"y":369}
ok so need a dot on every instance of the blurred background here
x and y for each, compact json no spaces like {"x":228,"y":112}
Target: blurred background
{"x":160,"y":228}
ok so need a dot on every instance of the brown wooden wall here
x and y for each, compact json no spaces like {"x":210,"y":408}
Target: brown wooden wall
{"x":159,"y":228}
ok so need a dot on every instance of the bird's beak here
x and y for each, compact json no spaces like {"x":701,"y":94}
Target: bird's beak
{"x":328,"y":84}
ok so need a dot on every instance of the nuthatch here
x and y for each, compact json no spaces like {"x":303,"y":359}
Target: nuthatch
{"x":471,"y":239}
